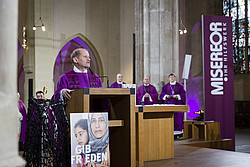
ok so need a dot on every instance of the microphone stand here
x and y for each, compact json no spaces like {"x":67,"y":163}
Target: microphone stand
{"x":104,"y":76}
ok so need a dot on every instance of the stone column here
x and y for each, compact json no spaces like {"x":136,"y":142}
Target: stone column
{"x":8,"y":85}
{"x":146,"y":38}
{"x":157,"y":40}
{"x":156,"y":28}
{"x":139,"y":42}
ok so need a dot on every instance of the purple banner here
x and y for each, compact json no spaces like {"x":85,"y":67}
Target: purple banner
{"x":218,"y":73}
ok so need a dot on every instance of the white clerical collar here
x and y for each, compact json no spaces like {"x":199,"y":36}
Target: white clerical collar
{"x":77,"y":70}
{"x":146,"y":84}
{"x":173,"y":83}
{"x":120,"y":82}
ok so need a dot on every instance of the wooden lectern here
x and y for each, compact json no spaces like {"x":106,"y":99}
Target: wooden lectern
{"x":121,"y":103}
{"x":155,"y":132}
{"x":137,"y":134}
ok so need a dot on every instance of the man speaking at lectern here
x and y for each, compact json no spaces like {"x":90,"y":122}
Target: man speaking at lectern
{"x":81,"y":76}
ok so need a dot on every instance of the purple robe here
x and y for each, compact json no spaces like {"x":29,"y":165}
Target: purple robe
{"x":73,"y":80}
{"x":142,"y":90}
{"x":174,"y":90}
{"x":116,"y":85}
{"x":22,"y":110}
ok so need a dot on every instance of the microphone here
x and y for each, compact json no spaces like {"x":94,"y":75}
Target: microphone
{"x":104,"y":76}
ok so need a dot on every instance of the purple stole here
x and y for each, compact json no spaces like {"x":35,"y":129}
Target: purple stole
{"x":74,"y":80}
{"x":92,"y":80}
{"x":172,"y":90}
{"x":146,"y":89}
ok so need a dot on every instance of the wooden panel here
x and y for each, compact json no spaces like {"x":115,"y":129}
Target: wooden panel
{"x":140,"y":140}
{"x":116,"y":123}
{"x":187,"y":131}
{"x":157,"y":115}
{"x":165,"y":108}
{"x":86,"y":103}
{"x":158,"y":138}
{"x":155,"y":132}
{"x":132,"y":131}
{"x":75,"y":104}
{"x":119,"y":106}
{"x":206,"y":130}
{"x":198,"y":131}
{"x":120,"y":142}
{"x":109,"y":91}
{"x":212,"y":131}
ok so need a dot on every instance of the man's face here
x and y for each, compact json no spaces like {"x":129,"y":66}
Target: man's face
{"x":83,"y":61}
{"x":119,"y":77}
{"x":172,"y":78}
{"x":39,"y":96}
{"x":146,"y":80}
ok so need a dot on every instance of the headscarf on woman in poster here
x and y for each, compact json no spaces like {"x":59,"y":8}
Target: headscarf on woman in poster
{"x":99,"y":134}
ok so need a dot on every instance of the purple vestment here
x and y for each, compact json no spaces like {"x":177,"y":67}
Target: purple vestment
{"x":116,"y":85}
{"x":74,"y":80}
{"x":176,"y":89}
{"x":142,"y":90}
{"x":22,"y":110}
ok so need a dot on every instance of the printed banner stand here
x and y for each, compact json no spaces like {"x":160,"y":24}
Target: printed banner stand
{"x":89,"y":139}
{"x":218,"y":73}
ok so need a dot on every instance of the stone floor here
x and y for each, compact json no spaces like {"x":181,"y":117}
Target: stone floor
{"x":188,"y":156}
{"x":242,"y":140}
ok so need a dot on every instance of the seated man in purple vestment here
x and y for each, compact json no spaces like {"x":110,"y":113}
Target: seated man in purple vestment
{"x":79,"y":77}
{"x":174,"y":93}
{"x":119,"y":82}
{"x":146,"y":94}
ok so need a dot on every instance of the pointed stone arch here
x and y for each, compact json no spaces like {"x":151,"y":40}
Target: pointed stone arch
{"x":62,"y":61}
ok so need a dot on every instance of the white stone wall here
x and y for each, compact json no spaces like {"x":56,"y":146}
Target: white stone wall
{"x":68,"y":20}
{"x":109,"y":25}
{"x":43,"y":47}
{"x":127,"y":28}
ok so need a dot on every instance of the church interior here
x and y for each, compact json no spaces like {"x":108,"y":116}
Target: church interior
{"x":136,"y":38}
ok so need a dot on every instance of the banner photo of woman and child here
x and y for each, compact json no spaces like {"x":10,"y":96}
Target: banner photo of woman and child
{"x":89,"y":140}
